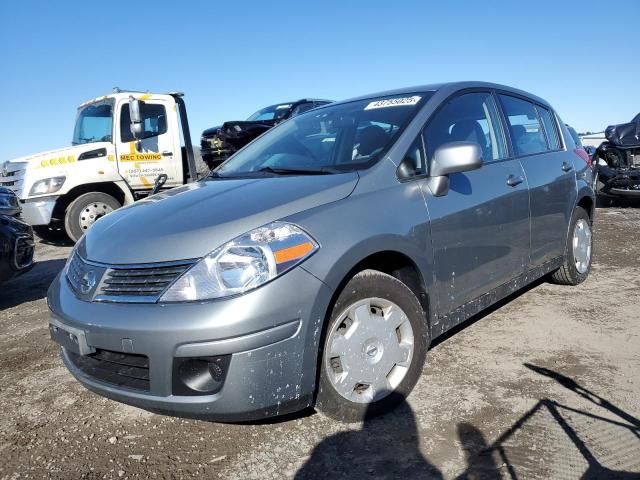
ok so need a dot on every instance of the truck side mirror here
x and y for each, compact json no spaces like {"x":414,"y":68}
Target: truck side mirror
{"x":135,"y":114}
{"x":453,"y":157}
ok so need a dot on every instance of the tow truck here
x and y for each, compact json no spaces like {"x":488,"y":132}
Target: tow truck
{"x":126,"y":145}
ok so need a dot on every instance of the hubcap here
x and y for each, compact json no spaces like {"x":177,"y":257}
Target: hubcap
{"x":369,"y":350}
{"x":582,"y":245}
{"x":92,"y":212}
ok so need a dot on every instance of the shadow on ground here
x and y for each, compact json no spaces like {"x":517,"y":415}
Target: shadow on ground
{"x":585,"y":445}
{"x":30,"y":286}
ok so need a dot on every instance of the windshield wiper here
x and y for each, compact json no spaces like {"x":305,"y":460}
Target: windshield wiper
{"x":298,"y":171}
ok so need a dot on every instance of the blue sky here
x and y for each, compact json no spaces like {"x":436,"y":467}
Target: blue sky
{"x":232,"y":58}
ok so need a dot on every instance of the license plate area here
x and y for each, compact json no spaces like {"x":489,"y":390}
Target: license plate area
{"x":72,"y":339}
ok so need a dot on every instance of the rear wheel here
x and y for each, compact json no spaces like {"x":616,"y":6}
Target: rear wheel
{"x":374,"y":349}
{"x":85,"y":210}
{"x":577,"y":263}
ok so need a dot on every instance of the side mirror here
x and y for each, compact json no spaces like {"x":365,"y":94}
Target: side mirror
{"x":453,"y":157}
{"x":135,"y":113}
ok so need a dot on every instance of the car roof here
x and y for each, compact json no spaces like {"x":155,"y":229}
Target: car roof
{"x":449,"y":86}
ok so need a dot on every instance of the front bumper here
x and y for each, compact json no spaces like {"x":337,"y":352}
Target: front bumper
{"x":38,"y":211}
{"x":17,"y":247}
{"x":271,"y":335}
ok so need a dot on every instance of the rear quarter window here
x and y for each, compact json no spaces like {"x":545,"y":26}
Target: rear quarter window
{"x":550,"y":127}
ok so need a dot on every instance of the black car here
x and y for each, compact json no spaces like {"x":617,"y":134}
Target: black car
{"x":619,"y":170}
{"x":16,"y":238}
{"x":219,"y":143}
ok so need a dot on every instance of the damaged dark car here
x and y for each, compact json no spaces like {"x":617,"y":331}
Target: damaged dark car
{"x":619,"y":160}
{"x":16,"y":238}
{"x":219,"y":143}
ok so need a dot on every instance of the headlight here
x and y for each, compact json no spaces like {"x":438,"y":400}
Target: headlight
{"x":243,"y":264}
{"x":48,"y":185}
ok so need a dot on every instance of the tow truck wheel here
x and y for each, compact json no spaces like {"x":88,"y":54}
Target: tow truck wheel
{"x":85,"y":210}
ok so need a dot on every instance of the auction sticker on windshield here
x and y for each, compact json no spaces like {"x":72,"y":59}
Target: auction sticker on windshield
{"x":393,"y":102}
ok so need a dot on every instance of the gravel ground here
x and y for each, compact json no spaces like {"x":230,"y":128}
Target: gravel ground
{"x":546,"y":385}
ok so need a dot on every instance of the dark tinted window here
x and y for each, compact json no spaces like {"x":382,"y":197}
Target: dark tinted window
{"x":154,"y":121}
{"x":274,"y":112}
{"x":468,"y":118}
{"x":303,"y":107}
{"x":526,"y":132}
{"x":550,"y":128}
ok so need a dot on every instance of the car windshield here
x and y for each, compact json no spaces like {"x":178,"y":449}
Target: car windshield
{"x":274,"y":112}
{"x":337,"y":138}
{"x":94,"y":124}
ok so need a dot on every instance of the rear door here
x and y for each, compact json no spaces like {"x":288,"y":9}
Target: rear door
{"x":480,"y":229}
{"x":549,"y":170}
{"x":140,"y":162}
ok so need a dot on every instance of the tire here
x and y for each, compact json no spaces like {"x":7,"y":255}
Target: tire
{"x":378,"y":298}
{"x":53,"y":233}
{"x":95,"y":205}
{"x":572,"y":272}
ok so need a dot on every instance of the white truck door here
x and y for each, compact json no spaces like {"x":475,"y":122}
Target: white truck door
{"x":141,"y":161}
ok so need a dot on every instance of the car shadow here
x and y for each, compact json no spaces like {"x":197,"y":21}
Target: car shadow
{"x":30,"y":286}
{"x":385,"y":447}
{"x":389,"y":446}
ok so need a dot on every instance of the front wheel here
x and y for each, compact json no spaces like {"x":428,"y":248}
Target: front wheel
{"x":578,"y":255}
{"x":85,"y":210}
{"x":374,"y":348}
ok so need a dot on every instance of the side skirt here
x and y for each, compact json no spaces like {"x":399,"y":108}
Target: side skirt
{"x":478,"y":304}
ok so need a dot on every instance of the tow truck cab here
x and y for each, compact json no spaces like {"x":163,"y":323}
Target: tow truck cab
{"x":108,"y":164}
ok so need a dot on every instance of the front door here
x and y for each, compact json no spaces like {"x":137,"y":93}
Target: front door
{"x":480,"y":228}
{"x":141,"y":161}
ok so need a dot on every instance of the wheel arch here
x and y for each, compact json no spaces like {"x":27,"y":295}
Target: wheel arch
{"x":121,"y":194}
{"x":392,"y":261}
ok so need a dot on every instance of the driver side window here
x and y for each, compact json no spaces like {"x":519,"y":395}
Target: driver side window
{"x":471,"y":117}
{"x":154,"y":118}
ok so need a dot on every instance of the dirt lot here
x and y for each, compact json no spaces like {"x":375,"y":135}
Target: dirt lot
{"x":547,"y":385}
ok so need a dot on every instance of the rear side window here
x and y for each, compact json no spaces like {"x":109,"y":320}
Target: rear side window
{"x":527,"y":134}
{"x":154,"y":118}
{"x":471,"y":117}
{"x":550,"y":127}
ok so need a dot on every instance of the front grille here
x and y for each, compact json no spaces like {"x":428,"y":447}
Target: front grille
{"x":74,"y":272}
{"x":141,"y":281}
{"x":12,"y":179}
{"x":25,"y":247}
{"x":119,"y":369}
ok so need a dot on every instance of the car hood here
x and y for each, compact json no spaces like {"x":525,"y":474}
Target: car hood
{"x":193,"y":220}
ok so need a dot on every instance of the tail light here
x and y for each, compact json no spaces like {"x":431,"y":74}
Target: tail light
{"x":582,"y":153}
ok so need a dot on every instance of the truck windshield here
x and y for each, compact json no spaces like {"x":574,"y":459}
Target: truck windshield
{"x":94,"y":124}
{"x":337,"y":138}
{"x":274,"y":112}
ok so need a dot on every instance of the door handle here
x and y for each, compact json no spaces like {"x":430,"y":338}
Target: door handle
{"x":513,"y":180}
{"x":167,"y":153}
{"x":566,"y":167}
